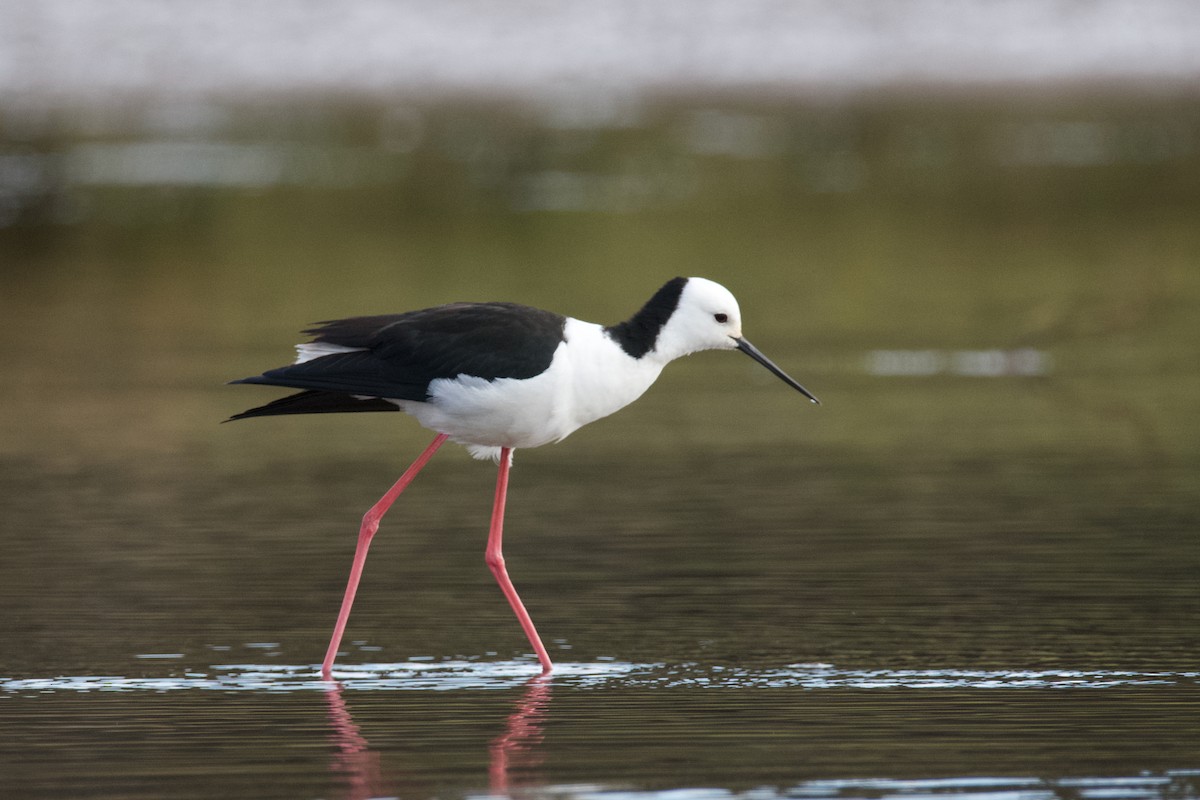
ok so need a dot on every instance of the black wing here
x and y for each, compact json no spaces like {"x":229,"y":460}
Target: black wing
{"x":311,"y":401}
{"x":402,"y":353}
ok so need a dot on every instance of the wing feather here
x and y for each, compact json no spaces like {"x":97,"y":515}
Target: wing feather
{"x":397,"y":356}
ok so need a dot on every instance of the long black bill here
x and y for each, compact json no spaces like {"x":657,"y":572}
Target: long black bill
{"x":757,"y":355}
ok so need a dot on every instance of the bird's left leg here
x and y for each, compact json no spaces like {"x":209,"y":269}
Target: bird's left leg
{"x":366,"y":532}
{"x":495,"y":562}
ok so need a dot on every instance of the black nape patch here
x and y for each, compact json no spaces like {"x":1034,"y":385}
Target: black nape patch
{"x":638,"y":334}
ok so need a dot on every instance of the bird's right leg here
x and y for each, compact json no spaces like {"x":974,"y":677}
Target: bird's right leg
{"x":370,"y":524}
{"x":495,"y":562}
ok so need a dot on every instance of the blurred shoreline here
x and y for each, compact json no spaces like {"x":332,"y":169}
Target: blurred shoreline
{"x":82,"y":51}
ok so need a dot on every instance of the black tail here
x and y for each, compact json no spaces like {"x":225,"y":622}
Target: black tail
{"x":315,"y":402}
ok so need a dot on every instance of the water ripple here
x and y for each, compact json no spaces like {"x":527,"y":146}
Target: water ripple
{"x":422,"y":675}
{"x":1173,"y":783}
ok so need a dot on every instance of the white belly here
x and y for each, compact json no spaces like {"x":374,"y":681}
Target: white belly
{"x":590,"y":377}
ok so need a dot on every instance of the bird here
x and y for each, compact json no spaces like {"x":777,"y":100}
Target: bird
{"x":497,"y":377}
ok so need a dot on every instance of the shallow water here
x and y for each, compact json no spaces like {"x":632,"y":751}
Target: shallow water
{"x":970,"y":573}
{"x":604,"y":729}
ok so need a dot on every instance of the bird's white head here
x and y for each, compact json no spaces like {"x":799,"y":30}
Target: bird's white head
{"x":707,"y":317}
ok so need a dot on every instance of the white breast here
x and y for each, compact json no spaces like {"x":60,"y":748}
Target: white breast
{"x":589,"y":377}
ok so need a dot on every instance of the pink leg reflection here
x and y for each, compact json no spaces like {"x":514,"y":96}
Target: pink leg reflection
{"x":515,"y":749}
{"x":354,"y":757}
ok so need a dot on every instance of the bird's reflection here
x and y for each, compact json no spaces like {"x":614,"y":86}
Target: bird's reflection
{"x":513,"y":751}
{"x":516,"y":748}
{"x":353,"y":757}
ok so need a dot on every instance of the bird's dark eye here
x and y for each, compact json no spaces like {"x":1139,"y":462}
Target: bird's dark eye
{"x":722,"y":318}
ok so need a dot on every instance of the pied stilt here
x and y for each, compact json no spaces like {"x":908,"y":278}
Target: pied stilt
{"x":497,"y":377}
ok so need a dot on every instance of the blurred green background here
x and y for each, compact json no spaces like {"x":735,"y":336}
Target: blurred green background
{"x":163,"y":248}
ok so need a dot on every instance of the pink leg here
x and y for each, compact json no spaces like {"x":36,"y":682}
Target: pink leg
{"x":495,"y":562}
{"x":370,"y":524}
